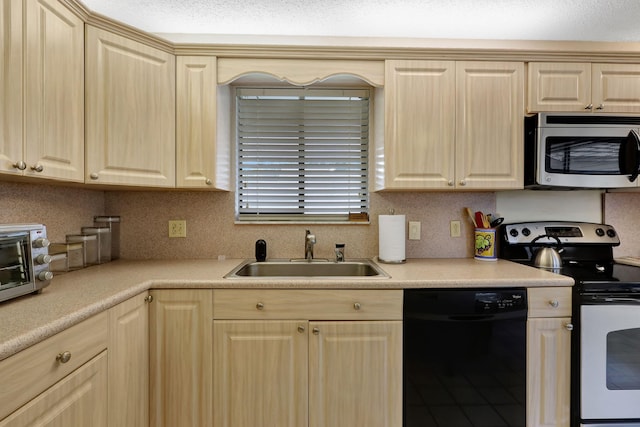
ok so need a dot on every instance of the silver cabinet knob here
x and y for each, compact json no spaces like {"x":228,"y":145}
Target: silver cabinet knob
{"x":260,"y":306}
{"x":64,"y":357}
{"x":554,"y":303}
{"x":450,"y":183}
{"x":148,"y":298}
{"x":569,"y":326}
{"x":301,"y":329}
{"x":94,"y":176}
{"x":357,"y":306}
{"x":208,"y":181}
{"x":20,"y":165}
{"x":463,"y":182}
{"x":589,"y":107}
{"x":600,"y":107}
{"x":316,"y":331}
{"x":37,"y":167}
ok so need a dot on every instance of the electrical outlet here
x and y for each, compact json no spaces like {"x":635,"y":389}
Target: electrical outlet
{"x":454,"y":227}
{"x":414,"y":230}
{"x":178,"y":228}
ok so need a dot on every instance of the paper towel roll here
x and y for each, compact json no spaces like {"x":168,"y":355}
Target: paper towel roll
{"x":391,"y":238}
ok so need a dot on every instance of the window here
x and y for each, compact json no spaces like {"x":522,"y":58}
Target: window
{"x":302,"y":154}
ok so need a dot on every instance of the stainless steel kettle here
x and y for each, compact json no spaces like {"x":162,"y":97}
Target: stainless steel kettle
{"x":548,"y":257}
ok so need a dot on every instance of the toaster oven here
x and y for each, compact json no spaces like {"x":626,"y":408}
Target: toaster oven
{"x":24,"y":260}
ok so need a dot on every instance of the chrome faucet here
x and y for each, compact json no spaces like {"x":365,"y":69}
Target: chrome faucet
{"x":309,"y":241}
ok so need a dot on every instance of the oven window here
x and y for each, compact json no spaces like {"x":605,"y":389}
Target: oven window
{"x":14,"y":261}
{"x":584,"y":156}
{"x":623,"y":364}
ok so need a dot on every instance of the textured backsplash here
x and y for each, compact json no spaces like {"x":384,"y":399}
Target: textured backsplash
{"x":211,"y":231}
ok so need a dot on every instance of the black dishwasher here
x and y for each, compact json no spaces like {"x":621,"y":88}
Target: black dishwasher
{"x":464,"y":359}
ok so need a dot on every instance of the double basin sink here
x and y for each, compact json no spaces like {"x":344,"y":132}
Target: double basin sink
{"x":300,"y":268}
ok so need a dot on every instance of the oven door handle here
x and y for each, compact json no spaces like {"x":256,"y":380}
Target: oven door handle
{"x":615,"y":300}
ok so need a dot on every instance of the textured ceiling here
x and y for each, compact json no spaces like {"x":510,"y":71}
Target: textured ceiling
{"x":591,"y":20}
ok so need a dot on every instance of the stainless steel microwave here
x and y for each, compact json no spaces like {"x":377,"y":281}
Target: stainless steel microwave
{"x":24,"y":260}
{"x":581,"y":150}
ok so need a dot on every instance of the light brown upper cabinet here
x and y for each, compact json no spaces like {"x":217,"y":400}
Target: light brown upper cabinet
{"x":452,"y":125}
{"x":202,"y":154}
{"x":583,"y":87}
{"x":42,"y":95}
{"x":130,"y":112}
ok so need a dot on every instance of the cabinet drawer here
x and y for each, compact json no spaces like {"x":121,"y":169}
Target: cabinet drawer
{"x":309,"y":304}
{"x":28,"y":373}
{"x":549,"y":302}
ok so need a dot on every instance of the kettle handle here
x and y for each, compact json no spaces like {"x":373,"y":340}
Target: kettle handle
{"x":558,"y":245}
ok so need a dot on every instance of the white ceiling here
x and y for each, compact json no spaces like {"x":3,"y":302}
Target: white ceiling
{"x":587,"y":20}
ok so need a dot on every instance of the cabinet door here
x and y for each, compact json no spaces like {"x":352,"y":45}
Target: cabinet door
{"x":130,"y":92}
{"x":79,"y":399}
{"x":355,"y":374}
{"x":559,"y":86}
{"x":490,"y":125}
{"x":129,"y":363}
{"x":616,"y":88}
{"x":260,"y":373}
{"x":548,"y":372}
{"x":201,"y":161}
{"x":11,"y":86}
{"x":181,"y":358}
{"x":54,"y":92}
{"x":419,"y":124}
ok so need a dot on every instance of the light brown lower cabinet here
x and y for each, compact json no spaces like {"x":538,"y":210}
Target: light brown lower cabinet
{"x":61,"y":381}
{"x":180,"y":324}
{"x":129,"y":362}
{"x":549,"y":357}
{"x":301,"y":372}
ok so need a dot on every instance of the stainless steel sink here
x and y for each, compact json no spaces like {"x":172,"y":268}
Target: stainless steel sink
{"x":303,"y":268}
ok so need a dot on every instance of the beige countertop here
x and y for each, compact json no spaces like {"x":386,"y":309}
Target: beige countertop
{"x":75,"y":296}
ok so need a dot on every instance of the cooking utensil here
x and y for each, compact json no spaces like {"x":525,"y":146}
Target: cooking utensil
{"x":471,"y":217}
{"x":481,"y":220}
{"x":496,"y":222}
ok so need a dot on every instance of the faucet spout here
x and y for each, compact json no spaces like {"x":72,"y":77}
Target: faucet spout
{"x":309,"y":241}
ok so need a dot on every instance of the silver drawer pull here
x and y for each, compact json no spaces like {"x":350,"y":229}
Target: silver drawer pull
{"x":554,"y":303}
{"x":64,"y":357}
{"x":316,"y":331}
{"x":301,"y":329}
{"x":260,"y":306}
{"x":569,"y":326}
{"x":148,"y":298}
{"x":357,"y":306}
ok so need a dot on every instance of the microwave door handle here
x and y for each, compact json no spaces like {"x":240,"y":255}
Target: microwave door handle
{"x":629,"y":155}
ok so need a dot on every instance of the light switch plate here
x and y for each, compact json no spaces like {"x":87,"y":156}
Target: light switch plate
{"x":454,"y":227}
{"x":178,"y":228}
{"x":414,"y":230}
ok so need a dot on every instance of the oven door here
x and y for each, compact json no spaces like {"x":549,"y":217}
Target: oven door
{"x":15,"y":272}
{"x":610,"y":360}
{"x":593,"y":157}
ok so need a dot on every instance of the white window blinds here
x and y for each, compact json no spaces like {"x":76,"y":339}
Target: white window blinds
{"x":301,"y":154}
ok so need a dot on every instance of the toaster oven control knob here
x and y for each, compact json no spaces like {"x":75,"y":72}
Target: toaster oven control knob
{"x":41,"y":243}
{"x":43,"y":259}
{"x":45,"y":275}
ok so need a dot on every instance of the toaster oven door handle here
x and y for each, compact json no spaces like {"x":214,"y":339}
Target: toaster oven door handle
{"x":629,"y":155}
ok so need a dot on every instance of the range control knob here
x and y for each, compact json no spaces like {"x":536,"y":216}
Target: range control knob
{"x":41,"y":243}
{"x":513,"y":232}
{"x":600,"y":232}
{"x":43,"y":259}
{"x":526,"y":232}
{"x":611,"y":232}
{"x":45,"y":275}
